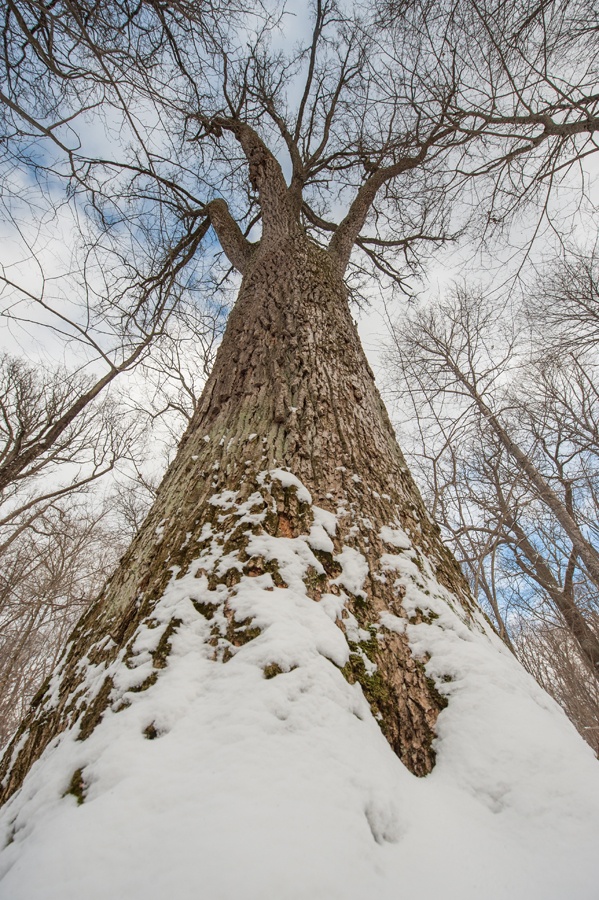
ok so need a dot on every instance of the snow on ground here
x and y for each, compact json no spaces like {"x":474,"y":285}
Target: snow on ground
{"x":284,"y":787}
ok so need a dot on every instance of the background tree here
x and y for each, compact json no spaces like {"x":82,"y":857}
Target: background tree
{"x":519,"y":84}
{"x":141,"y":213}
{"x":56,"y":545}
{"x":507,"y":449}
{"x":51,"y":571}
{"x":104,"y":300}
{"x":94,"y":290}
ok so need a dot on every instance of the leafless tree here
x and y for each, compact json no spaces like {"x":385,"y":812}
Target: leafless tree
{"x":390,"y":115}
{"x":484,"y":81}
{"x":173,"y":375}
{"x":56,"y":545}
{"x":50,"y":573}
{"x":507,"y":447}
{"x":36,"y":444}
{"x":564,"y":305}
{"x":110,"y":295}
{"x":549,"y":654}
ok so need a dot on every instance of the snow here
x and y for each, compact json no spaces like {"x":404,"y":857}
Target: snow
{"x":225,"y":499}
{"x":354,"y":570}
{"x":260,"y":787}
{"x":287,"y":479}
{"x":333,"y":605}
{"x":396,"y":537}
{"x":326,"y":519}
{"x":393,"y":623}
{"x":319,"y":539}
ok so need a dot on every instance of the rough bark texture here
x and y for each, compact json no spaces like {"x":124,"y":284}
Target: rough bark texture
{"x":290,"y":388}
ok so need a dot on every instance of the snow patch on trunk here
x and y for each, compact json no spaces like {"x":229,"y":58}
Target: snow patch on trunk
{"x":396,"y":537}
{"x":354,"y":570}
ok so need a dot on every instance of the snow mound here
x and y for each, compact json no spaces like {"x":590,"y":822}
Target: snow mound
{"x":255,"y":770}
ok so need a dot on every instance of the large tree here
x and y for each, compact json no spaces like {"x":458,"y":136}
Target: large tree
{"x":288,"y":598}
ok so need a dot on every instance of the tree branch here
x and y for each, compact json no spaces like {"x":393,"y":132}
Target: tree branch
{"x":236,"y":247}
{"x":344,"y":238}
{"x":266,"y":176}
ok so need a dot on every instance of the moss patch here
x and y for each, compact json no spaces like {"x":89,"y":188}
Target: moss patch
{"x":77,"y":787}
{"x":230,"y":578}
{"x":329,"y":564}
{"x":376,"y":691}
{"x":161,"y":653}
{"x":315,"y":582}
{"x":423,"y":616}
{"x":439,"y":700}
{"x":272,"y":670}
{"x":95,"y":711}
{"x":205,"y":609}
{"x":245,"y":634}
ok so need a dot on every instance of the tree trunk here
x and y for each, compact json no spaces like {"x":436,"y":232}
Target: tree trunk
{"x":579,"y":628}
{"x":291,"y":397}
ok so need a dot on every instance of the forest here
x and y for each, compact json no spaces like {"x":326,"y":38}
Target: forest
{"x":249,"y":646}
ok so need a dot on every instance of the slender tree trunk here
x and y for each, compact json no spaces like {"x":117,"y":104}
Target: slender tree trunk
{"x":583,"y":548}
{"x":291,"y":390}
{"x":581,"y":631}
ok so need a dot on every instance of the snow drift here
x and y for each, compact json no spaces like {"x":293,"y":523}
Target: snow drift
{"x":255,"y":770}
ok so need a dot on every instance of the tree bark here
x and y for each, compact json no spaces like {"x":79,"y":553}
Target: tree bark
{"x":290,"y":388}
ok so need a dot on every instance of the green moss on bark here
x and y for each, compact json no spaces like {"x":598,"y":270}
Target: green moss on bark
{"x":161,"y":653}
{"x":95,"y":711}
{"x":272,"y":670}
{"x":77,"y":787}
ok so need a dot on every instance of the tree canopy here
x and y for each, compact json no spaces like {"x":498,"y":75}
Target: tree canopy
{"x":369,"y":127}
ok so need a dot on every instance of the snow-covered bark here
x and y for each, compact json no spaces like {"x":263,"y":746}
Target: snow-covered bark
{"x":286,"y":645}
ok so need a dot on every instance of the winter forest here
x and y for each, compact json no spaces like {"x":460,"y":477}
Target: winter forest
{"x":299,"y":449}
